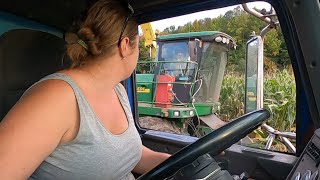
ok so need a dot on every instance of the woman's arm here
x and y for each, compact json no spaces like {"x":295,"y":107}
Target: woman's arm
{"x":34,"y":127}
{"x":149,"y":160}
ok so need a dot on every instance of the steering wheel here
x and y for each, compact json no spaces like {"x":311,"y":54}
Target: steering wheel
{"x":215,"y":142}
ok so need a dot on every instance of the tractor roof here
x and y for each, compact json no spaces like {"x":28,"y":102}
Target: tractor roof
{"x":203,"y":35}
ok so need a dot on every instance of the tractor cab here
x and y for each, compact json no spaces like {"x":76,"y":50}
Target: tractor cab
{"x":185,"y":79}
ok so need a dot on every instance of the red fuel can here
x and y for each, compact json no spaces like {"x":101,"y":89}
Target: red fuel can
{"x":164,"y":95}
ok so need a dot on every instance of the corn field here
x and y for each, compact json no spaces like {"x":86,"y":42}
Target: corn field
{"x":279,"y":99}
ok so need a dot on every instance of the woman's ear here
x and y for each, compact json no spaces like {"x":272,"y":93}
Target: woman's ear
{"x":124,"y":47}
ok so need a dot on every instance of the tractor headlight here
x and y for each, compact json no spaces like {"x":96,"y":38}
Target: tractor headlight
{"x":218,"y":39}
{"x":224,"y":40}
{"x":191,"y":113}
{"x":176,"y":113}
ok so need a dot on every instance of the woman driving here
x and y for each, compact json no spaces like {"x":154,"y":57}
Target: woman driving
{"x":77,"y":123}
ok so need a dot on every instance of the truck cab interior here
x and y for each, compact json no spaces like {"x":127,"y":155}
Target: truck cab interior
{"x":32,"y":46}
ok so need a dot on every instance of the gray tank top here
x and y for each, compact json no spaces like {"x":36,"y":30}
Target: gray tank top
{"x":95,"y":153}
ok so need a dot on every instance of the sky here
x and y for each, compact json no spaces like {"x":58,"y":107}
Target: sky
{"x":182,"y":20}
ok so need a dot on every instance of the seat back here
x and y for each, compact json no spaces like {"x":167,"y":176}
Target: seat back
{"x":25,"y":57}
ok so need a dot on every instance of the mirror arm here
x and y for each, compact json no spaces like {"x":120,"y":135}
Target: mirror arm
{"x":256,"y":14}
{"x":266,"y":29}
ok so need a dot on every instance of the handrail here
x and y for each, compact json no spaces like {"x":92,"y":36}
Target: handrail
{"x":282,"y":136}
{"x":256,"y":14}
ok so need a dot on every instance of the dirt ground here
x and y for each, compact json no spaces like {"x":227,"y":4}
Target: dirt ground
{"x":160,"y":124}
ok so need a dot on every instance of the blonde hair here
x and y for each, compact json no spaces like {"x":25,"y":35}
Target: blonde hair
{"x":100,"y":31}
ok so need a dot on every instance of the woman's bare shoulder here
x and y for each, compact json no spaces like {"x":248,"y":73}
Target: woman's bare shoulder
{"x":51,"y":87}
{"x":37,"y":124}
{"x":47,"y":100}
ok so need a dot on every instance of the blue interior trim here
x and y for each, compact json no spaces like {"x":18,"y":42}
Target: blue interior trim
{"x":129,"y":84}
{"x":10,"y":22}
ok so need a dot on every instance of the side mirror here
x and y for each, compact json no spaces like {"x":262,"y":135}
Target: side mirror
{"x":254,"y":74}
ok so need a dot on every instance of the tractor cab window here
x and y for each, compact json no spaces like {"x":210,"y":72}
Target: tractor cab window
{"x":174,"y":51}
{"x":175,"y":57}
{"x":211,"y":72}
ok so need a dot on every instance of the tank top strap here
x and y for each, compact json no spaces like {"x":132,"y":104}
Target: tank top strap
{"x":123,"y":98}
{"x":81,"y":100}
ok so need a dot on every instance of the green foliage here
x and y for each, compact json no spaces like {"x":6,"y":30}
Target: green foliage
{"x":143,"y":51}
{"x":143,"y":56}
{"x":231,"y":97}
{"x":272,"y":44}
{"x":279,"y":98}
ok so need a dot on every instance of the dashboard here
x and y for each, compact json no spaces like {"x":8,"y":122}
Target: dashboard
{"x":307,"y":166}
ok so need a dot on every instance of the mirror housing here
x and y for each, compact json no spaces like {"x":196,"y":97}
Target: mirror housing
{"x":254,"y":74}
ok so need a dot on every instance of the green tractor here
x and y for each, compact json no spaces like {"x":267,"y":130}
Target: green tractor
{"x":183,"y":84}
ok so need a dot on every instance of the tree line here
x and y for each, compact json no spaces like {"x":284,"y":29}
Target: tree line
{"x":240,"y":25}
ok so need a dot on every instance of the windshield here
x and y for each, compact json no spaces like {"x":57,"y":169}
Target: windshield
{"x":177,"y":57}
{"x":212,"y":66}
{"x":174,"y":51}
